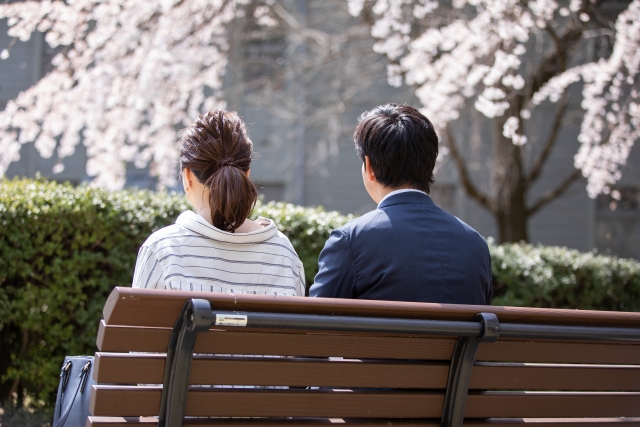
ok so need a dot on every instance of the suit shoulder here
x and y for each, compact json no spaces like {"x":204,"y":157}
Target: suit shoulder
{"x":364,"y":221}
{"x":471,"y":232}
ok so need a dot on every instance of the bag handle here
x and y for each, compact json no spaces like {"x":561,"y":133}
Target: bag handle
{"x":84,"y":375}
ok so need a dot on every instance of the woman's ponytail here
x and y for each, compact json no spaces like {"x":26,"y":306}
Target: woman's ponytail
{"x":232,"y":196}
{"x":218,"y":151}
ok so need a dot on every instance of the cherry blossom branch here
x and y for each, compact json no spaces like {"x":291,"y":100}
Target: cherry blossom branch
{"x":550,"y":143}
{"x":469,"y":187}
{"x":554,"y":194}
{"x":554,"y":63}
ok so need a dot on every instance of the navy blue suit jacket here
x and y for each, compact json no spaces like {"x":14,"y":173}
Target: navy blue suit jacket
{"x":406,"y":250}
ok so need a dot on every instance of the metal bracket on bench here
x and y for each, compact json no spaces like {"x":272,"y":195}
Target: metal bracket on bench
{"x":194,"y":318}
{"x":462,"y":360}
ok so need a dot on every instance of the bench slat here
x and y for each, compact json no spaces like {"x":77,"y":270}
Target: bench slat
{"x":559,"y":352}
{"x":149,"y":369}
{"x":555,"y":377}
{"x":140,"y":307}
{"x":123,"y":338}
{"x":505,"y":422}
{"x":118,"y":368}
{"x":145,"y":401}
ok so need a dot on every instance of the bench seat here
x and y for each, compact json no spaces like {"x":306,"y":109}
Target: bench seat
{"x":354,"y":374}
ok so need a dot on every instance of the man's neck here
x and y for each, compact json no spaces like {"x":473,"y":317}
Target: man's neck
{"x":381,"y":192}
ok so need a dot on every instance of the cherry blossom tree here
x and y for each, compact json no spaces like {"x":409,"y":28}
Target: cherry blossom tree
{"x":129,"y":74}
{"x":504,"y":59}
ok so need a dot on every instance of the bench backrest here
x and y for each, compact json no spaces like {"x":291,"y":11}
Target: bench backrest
{"x":364,"y":377}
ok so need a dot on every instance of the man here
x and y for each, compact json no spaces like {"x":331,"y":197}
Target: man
{"x":408,"y":249}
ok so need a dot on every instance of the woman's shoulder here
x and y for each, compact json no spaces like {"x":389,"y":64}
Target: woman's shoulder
{"x":173,"y":231}
{"x":278,"y":237}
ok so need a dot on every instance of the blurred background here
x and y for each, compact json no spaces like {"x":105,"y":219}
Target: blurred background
{"x":302,"y":81}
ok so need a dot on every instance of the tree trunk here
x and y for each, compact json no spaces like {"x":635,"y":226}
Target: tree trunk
{"x":512,"y":228}
{"x":510,"y":187}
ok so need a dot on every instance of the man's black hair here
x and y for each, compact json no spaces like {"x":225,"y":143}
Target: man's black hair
{"x":401,"y":143}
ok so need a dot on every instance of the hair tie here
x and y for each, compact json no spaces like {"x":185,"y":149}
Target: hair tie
{"x":226,"y":162}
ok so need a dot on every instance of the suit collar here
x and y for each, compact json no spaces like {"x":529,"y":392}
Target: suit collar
{"x":409,"y":197}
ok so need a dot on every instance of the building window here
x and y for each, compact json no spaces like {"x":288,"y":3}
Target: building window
{"x":264,"y":64}
{"x":618,"y":223}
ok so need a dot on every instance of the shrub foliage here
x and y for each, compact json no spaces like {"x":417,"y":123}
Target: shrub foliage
{"x":62,"y":250}
{"x":547,"y":276}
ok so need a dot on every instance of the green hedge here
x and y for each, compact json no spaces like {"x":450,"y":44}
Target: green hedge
{"x":62,"y":250}
{"x":548,"y":276}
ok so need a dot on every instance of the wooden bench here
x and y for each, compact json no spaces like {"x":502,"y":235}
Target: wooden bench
{"x":360,"y":363}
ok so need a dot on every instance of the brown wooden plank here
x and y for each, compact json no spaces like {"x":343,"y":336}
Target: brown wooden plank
{"x":114,"y":368}
{"x":502,"y":422}
{"x":118,"y":368}
{"x":559,"y":352}
{"x":273,"y":422}
{"x":160,"y":308}
{"x":145,"y":401}
{"x":519,"y":376}
{"x":121,"y":339}
{"x":552,"y":404}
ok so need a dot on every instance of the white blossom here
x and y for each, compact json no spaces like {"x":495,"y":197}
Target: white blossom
{"x":477,"y":55}
{"x":131,"y":74}
{"x":510,"y":130}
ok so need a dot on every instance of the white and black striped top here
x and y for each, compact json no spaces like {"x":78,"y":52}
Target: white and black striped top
{"x":194,"y":255}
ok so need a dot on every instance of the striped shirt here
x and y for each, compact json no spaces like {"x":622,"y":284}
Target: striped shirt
{"x":194,"y":255}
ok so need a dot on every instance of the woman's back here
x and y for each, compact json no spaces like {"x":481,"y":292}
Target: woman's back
{"x":193,"y":255}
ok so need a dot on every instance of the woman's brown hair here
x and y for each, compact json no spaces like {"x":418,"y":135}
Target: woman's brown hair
{"x":218,"y":150}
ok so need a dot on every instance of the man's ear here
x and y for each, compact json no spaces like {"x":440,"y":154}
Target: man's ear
{"x":368,"y":170}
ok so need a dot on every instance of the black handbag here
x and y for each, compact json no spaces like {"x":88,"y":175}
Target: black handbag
{"x":72,"y":403}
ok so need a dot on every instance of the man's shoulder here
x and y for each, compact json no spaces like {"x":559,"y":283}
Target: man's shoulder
{"x":369,"y":220}
{"x":471,"y":232}
{"x":382,"y":221}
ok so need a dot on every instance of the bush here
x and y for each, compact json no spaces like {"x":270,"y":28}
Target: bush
{"x":62,"y":250}
{"x":545,"y":276}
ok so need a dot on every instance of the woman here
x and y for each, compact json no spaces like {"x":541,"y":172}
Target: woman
{"x":217,"y":248}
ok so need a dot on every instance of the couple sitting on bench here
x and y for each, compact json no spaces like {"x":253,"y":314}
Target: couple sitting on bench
{"x":335,"y":361}
{"x":407,"y":249}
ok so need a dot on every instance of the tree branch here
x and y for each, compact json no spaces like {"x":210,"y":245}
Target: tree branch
{"x":554,"y":63}
{"x":468,"y":185}
{"x":551,"y":142}
{"x":552,"y":195}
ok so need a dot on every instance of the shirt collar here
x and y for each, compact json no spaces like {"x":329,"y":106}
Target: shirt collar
{"x":404,"y":190}
{"x":198,"y":224}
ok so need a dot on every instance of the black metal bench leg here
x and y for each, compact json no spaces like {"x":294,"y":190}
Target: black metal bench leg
{"x":194,"y":318}
{"x":464,"y":354}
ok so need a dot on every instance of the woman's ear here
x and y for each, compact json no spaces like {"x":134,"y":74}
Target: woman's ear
{"x":248,"y":172}
{"x":187,"y":179}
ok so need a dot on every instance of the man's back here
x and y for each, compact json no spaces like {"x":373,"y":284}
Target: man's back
{"x":406,"y":250}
